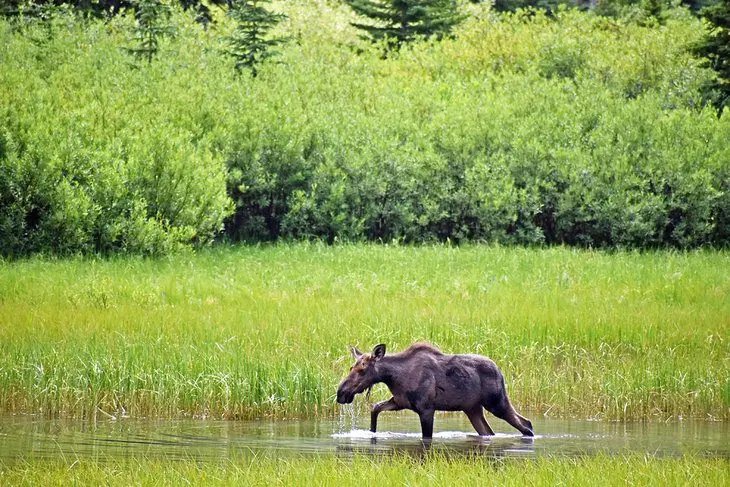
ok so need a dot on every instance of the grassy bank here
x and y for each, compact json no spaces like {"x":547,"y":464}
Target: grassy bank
{"x":600,"y":470}
{"x":252,"y":331}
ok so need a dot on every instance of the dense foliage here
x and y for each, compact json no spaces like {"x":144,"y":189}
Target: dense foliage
{"x":99,"y":8}
{"x":523,"y":129}
{"x":204,"y":9}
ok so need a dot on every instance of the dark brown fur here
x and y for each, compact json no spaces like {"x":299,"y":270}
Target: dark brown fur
{"x":425,"y":380}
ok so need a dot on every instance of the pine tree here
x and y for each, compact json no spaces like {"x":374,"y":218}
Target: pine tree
{"x":10,"y":8}
{"x":249,"y":45}
{"x":152,"y":23}
{"x":716,"y":48}
{"x":405,"y":20}
{"x":653,"y":9}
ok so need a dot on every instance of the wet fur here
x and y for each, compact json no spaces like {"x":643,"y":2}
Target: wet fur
{"x":425,"y":380}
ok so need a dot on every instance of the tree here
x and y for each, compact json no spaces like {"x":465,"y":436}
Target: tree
{"x":10,"y":8}
{"x":249,"y":45}
{"x":400,"y":21}
{"x":152,"y":23}
{"x":716,"y":48}
{"x":653,"y":9}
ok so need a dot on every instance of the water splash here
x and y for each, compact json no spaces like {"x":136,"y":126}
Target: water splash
{"x":348,"y":419}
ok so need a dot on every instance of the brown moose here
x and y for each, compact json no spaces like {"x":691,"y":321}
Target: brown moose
{"x":425,"y":380}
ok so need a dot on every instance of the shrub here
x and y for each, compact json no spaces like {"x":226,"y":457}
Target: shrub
{"x":89,"y":166}
{"x":522,"y":129}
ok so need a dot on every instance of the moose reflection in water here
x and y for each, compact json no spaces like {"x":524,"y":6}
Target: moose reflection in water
{"x":452,"y":445}
{"x":425,"y":380}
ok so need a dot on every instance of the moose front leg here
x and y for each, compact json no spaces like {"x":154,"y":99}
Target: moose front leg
{"x":427,"y":423}
{"x":388,"y":405}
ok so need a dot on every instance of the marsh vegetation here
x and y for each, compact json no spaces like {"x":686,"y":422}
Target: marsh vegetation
{"x":488,"y":164}
{"x":264,"y":331}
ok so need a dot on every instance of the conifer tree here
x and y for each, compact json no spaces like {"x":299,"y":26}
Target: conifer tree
{"x":10,"y":8}
{"x":654,"y":9}
{"x":249,"y":45}
{"x":716,"y":48}
{"x":400,"y":21}
{"x":152,"y":23}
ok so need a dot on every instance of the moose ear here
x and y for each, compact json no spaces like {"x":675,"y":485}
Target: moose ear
{"x":379,"y":351}
{"x":355,"y":352}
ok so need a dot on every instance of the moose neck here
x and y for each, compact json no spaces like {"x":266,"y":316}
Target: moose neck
{"x":389,"y":373}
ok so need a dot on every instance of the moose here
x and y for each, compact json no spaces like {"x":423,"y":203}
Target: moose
{"x":425,"y":380}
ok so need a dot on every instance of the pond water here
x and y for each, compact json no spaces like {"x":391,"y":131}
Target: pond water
{"x":25,"y":437}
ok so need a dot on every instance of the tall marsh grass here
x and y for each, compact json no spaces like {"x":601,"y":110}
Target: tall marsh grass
{"x":263,"y":331}
{"x":338,"y":472}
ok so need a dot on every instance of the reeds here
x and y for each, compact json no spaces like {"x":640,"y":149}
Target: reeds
{"x":263,"y":331}
{"x":399,"y":470}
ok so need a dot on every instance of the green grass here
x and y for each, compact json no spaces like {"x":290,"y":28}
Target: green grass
{"x":262,"y":331}
{"x":601,"y":470}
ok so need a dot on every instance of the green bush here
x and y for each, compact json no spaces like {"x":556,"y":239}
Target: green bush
{"x":91,"y":162}
{"x":523,"y":129}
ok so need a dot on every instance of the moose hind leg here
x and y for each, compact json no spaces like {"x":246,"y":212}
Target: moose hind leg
{"x":504,"y":410}
{"x":523,"y":420}
{"x":388,"y":405}
{"x":476,"y":416}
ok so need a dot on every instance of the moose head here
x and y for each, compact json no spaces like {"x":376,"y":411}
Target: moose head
{"x":363,"y":374}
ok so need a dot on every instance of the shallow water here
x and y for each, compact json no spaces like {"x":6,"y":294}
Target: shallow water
{"x":25,"y":437}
